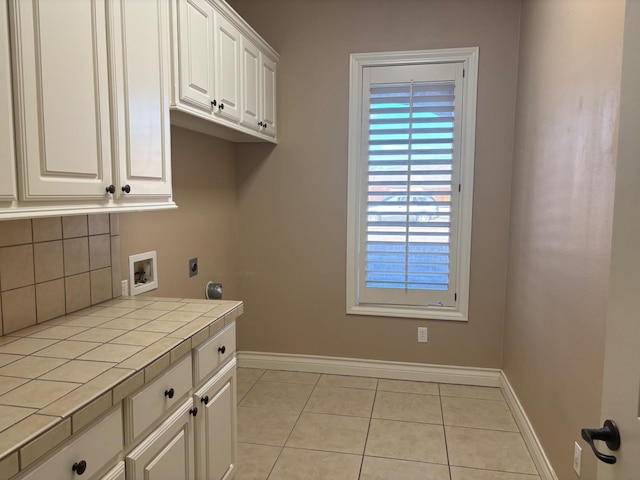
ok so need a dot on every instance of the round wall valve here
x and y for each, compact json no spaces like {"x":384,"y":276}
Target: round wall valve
{"x":213,"y":291}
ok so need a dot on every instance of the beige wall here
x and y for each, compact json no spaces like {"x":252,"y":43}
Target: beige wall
{"x":204,"y":225}
{"x":562,"y":201}
{"x":292,"y":199}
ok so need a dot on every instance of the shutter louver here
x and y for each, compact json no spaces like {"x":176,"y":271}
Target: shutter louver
{"x":409,"y":185}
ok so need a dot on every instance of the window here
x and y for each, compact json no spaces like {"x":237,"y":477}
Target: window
{"x":411,"y":150}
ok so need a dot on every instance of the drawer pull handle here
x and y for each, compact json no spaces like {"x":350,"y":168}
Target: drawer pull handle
{"x":79,"y":467}
{"x":194,"y":411}
{"x":205,"y":400}
{"x":169,"y":393}
{"x":222,"y":349}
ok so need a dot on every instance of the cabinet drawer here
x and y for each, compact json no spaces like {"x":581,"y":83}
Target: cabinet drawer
{"x":156,"y":399}
{"x":213,"y":353}
{"x":99,"y":445}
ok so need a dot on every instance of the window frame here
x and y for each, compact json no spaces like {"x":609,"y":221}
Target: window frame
{"x":356,"y":213}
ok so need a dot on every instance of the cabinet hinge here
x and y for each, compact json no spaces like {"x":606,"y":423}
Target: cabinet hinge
{"x":459,"y":188}
{"x":463,"y":72}
{"x":455,"y":297}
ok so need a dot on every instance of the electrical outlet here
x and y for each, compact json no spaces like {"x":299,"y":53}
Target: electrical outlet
{"x":124,"y":286}
{"x":422,"y":334}
{"x":577,"y":458}
{"x":193,"y":267}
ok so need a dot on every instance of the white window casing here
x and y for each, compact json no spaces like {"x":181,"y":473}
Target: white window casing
{"x":411,"y":158}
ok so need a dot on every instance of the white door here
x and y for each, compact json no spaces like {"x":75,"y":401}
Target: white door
{"x":270,"y":126}
{"x":62,"y":101}
{"x":140,"y":74}
{"x":167,"y":453}
{"x":620,"y":398}
{"x":216,"y":427}
{"x":7,"y":153}
{"x":227,"y":69}
{"x":251,"y":115}
{"x":196,"y":53}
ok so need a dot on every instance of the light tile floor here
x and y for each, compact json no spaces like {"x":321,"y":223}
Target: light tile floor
{"x":307,"y":426}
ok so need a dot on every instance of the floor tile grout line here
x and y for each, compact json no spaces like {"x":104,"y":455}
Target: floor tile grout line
{"x":294,"y":425}
{"x":444,"y":433}
{"x":366,"y":438}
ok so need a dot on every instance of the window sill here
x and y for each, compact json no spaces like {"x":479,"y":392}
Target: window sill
{"x":440,"y":313}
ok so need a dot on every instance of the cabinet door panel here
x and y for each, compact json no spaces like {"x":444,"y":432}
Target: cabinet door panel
{"x":227,"y":68}
{"x":251,"y":115}
{"x":7,"y":153}
{"x":63,"y":138}
{"x":196,"y":53}
{"x":141,"y":80}
{"x":167,"y":453}
{"x":269,"y":96}
{"x":216,"y":427}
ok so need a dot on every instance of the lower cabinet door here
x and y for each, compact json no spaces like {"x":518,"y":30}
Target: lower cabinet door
{"x":116,"y":473}
{"x":216,"y":426}
{"x":168,"y":452}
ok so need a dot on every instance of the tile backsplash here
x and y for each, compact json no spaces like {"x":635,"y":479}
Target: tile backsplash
{"x":52,"y":266}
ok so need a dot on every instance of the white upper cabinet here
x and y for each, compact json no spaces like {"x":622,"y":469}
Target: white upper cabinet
{"x":7,"y":152}
{"x":269,"y":124}
{"x":141,"y":83}
{"x":251,"y":91}
{"x":61,"y":103}
{"x":195,"y":54}
{"x":227,"y":69}
{"x":258,"y":90}
{"x":224,"y":73}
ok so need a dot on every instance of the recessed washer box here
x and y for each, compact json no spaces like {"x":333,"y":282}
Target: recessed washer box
{"x":143,"y":272}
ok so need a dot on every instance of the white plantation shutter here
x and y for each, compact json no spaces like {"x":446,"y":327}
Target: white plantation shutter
{"x":411,"y":129}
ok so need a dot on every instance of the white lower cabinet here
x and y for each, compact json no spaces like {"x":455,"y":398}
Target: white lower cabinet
{"x":116,"y":473}
{"x":216,"y":426}
{"x":179,"y":426}
{"x":168,"y":452}
{"x":87,"y":454}
{"x":198,"y":440}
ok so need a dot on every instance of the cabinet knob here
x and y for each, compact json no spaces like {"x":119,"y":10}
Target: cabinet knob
{"x":214,"y":103}
{"x":205,"y":399}
{"x":126,"y":189}
{"x":222,"y":106}
{"x":169,"y":393}
{"x":194,"y":411}
{"x":264,"y":125}
{"x":260,"y":124}
{"x":79,"y":467}
{"x":222,"y":349}
{"x":111,"y":189}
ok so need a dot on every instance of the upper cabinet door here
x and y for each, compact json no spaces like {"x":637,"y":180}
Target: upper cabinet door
{"x":196,"y":53}
{"x":7,"y":152}
{"x":140,"y":74}
{"x":227,"y":70}
{"x":269,"y":124}
{"x":251,"y":115}
{"x":62,"y":99}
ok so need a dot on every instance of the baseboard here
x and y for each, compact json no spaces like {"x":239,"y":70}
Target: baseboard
{"x":530,"y":438}
{"x":486,"y":377}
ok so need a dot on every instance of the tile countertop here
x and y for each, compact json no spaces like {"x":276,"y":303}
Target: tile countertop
{"x":58,"y":376}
